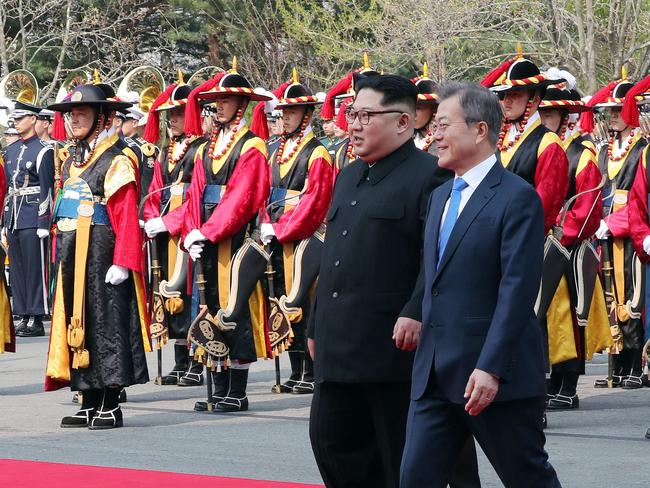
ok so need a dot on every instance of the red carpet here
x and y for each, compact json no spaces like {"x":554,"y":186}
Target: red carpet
{"x":34,"y":474}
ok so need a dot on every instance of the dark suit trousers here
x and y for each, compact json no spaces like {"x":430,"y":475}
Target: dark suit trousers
{"x":357,"y":433}
{"x":25,"y":272}
{"x":510,"y":433}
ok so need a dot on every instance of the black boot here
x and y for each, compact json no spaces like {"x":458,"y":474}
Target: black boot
{"x":19,"y":327}
{"x":109,"y":414}
{"x":567,"y":397}
{"x":305,"y":384}
{"x":90,"y":402}
{"x":182,"y":359}
{"x":236,"y":399}
{"x":221,"y":382}
{"x":617,"y":373}
{"x":193,"y":376}
{"x":33,"y":328}
{"x":634,"y":379}
{"x":122,"y":396}
{"x":296,"y":372}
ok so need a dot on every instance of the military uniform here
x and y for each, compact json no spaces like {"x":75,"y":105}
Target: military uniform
{"x":302,"y":179}
{"x":229,"y":186}
{"x":99,"y":321}
{"x":619,"y":160}
{"x":172,"y":174}
{"x":29,"y":173}
{"x":576,"y":317}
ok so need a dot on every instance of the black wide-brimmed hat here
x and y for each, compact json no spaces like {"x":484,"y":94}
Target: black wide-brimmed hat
{"x":523,"y":74}
{"x":297,"y":94}
{"x":87,"y":95}
{"x":228,"y":84}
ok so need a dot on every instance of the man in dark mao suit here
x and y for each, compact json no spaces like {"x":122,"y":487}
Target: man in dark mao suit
{"x":479,"y":365}
{"x":367,"y":313}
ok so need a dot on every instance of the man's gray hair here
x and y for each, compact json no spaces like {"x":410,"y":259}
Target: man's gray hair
{"x":478,"y":103}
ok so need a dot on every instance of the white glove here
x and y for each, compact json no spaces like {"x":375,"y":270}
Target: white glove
{"x":266,"y":233}
{"x":42,"y":233}
{"x":116,"y":274}
{"x":193,"y":237}
{"x":646,"y":244}
{"x":154,"y":226}
{"x":195,"y":250}
{"x":603,"y":231}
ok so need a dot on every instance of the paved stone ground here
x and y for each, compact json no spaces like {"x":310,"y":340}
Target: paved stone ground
{"x":600,"y":445}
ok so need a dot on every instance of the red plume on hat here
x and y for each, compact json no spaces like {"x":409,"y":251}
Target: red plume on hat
{"x":58,"y":126}
{"x":630,"y":112}
{"x":152,"y":129}
{"x":587,"y":118}
{"x":341,"y":120}
{"x":492,"y":77}
{"x":327,"y":112}
{"x":259,"y":125}
{"x":193,"y":107}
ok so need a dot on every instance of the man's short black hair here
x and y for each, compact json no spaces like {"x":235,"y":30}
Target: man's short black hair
{"x":395,"y":89}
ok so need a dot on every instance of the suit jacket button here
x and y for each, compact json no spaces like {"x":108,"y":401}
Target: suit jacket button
{"x":353,"y":203}
{"x":337,"y":263}
{"x":434,"y":292}
{"x":344,"y":233}
{"x":335,"y":294}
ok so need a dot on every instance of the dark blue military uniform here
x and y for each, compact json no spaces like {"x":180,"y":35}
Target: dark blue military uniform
{"x":29,"y":172}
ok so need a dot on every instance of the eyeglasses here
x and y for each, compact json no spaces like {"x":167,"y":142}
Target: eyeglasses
{"x":364,"y":115}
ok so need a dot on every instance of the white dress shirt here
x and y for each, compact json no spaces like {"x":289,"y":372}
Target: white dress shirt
{"x":473,"y":178}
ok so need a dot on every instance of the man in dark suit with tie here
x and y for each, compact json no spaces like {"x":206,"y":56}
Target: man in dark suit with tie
{"x":479,"y":366}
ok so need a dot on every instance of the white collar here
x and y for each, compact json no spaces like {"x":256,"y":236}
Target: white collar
{"x":531,"y":120}
{"x":477,"y":174}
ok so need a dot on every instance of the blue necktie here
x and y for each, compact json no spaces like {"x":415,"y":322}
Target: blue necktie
{"x":451,"y":217}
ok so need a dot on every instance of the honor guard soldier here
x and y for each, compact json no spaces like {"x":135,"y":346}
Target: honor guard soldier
{"x":43,"y":127}
{"x":300,"y":168}
{"x":425,"y":111}
{"x":577,"y":312}
{"x":99,"y":320}
{"x":229,"y":186}
{"x":29,"y":172}
{"x":619,"y":160}
{"x":171,"y":178}
{"x":526,"y":147}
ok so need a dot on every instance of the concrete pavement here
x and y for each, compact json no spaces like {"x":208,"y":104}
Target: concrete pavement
{"x":600,"y":445}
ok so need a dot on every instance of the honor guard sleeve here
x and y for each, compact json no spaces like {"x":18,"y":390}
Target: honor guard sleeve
{"x":583,"y":217}
{"x":122,"y":210}
{"x":638,"y":206}
{"x":551,"y":177}
{"x":151,"y":208}
{"x":45,"y":168}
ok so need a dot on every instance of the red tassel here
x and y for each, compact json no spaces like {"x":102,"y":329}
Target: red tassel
{"x":341,"y":121}
{"x":58,"y":127}
{"x":630,"y":112}
{"x":259,"y":126}
{"x":327,"y":112}
{"x":193,"y":108}
{"x":587,"y":122}
{"x":152,"y":129}
{"x":492,"y":77}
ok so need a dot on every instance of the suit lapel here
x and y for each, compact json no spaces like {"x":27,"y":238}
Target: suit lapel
{"x":432,"y":230}
{"x":481,"y":196}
